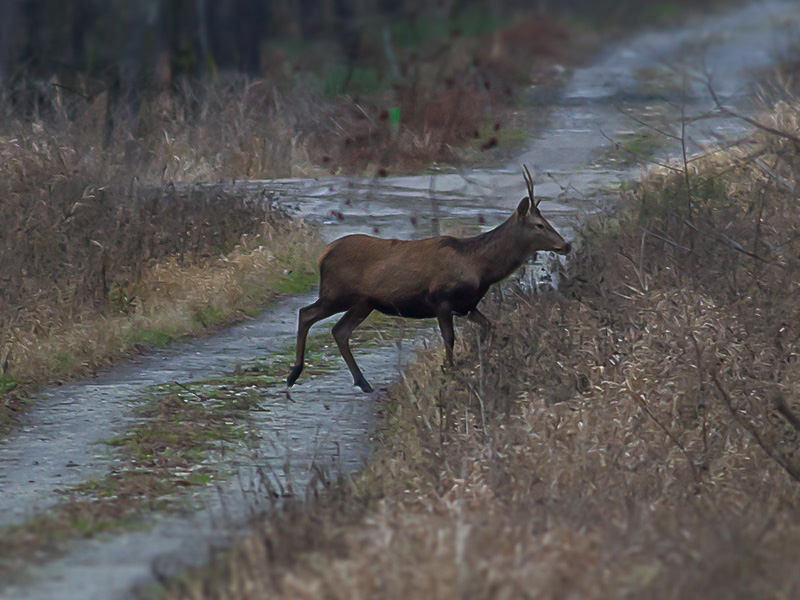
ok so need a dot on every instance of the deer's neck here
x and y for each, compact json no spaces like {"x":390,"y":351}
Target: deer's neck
{"x":499,"y":254}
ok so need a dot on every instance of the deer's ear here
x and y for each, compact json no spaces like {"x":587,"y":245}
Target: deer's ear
{"x":524,"y":206}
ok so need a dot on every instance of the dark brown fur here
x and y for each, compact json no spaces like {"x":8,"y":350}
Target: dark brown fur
{"x":419,"y":279}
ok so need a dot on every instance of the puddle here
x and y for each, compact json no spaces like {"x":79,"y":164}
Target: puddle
{"x":57,"y":445}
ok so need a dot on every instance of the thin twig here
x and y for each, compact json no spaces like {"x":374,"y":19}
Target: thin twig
{"x":183,"y":387}
{"x":670,"y":435}
{"x":664,"y":239}
{"x":644,"y":123}
{"x":729,"y":241}
{"x":481,"y":389}
{"x":786,"y":412}
{"x":791,"y":469}
{"x":638,"y":154}
{"x":746,"y":119}
{"x":757,"y":232}
{"x":685,"y":159}
{"x":771,"y":172}
{"x":701,"y":405}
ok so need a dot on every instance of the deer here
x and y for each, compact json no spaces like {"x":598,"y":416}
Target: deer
{"x":421,"y":279}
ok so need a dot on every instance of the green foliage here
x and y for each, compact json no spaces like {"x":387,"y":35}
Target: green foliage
{"x":7,"y":383}
{"x":362,"y":80}
{"x":295,"y":282}
{"x":121,"y":299}
{"x":421,"y":32}
{"x":209,"y":315}
{"x":157,"y":338}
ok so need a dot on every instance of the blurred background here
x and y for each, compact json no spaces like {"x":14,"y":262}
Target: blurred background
{"x":129,"y":45}
{"x":317,"y":85}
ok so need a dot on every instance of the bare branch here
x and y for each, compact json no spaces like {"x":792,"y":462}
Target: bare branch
{"x":729,"y":241}
{"x":643,"y":405}
{"x":639,"y":154}
{"x":771,"y":172}
{"x":644,"y":123}
{"x":786,"y":412}
{"x":667,"y":240}
{"x":746,"y":119}
{"x":792,"y":470}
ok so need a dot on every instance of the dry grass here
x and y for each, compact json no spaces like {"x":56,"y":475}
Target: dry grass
{"x":634,"y":436}
{"x":229,"y":127}
{"x":171,"y":299}
{"x":100,"y":256}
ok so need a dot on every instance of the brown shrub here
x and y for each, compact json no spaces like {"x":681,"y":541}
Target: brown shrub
{"x":533,"y":35}
{"x":456,"y":114}
{"x":85,"y":216}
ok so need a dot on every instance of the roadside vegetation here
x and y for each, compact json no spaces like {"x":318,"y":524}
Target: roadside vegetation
{"x":158,"y":465}
{"x":634,"y":434}
{"x":188,"y":437}
{"x":102,"y":255}
{"x":92,"y":273}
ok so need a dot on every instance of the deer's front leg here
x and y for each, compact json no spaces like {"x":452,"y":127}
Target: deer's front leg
{"x":445,"y":317}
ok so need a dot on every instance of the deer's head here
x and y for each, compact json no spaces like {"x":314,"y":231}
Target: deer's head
{"x":532,"y":228}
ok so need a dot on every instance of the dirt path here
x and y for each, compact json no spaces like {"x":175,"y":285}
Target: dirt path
{"x":58,"y":444}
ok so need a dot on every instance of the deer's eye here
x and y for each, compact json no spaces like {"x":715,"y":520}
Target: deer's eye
{"x":539,"y":226}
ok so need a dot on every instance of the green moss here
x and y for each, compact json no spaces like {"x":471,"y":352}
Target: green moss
{"x":659,"y":81}
{"x":210,"y":316}
{"x":7,"y":383}
{"x":296,"y":282}
{"x":505,"y":139}
{"x":200,"y":478}
{"x":641,"y":146}
{"x":157,"y":338}
{"x":64,"y":362}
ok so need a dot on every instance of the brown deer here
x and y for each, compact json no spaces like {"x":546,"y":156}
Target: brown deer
{"x":421,"y":279}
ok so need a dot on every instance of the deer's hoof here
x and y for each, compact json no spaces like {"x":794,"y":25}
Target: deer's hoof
{"x":364,"y":385}
{"x":293,"y":375}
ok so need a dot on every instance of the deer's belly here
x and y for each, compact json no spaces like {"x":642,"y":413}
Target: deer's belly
{"x":412,"y":308}
{"x":460,"y":300}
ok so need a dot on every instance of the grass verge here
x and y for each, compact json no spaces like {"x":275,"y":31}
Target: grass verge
{"x":159,"y":463}
{"x":635,"y":435}
{"x":170,"y":455}
{"x":173,"y":297}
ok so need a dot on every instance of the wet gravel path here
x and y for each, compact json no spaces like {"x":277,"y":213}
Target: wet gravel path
{"x":325,"y":424}
{"x":58,"y":444}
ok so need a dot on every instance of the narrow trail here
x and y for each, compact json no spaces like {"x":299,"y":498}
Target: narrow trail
{"x":59,"y":442}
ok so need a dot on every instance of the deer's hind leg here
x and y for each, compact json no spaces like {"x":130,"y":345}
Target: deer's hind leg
{"x":307,"y":317}
{"x":481,"y":321}
{"x":341,"y":333}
